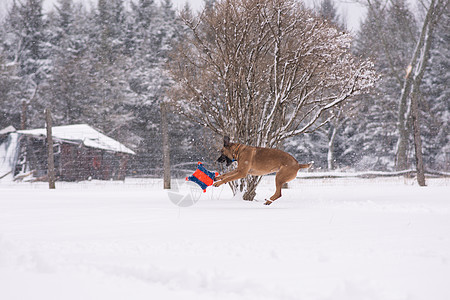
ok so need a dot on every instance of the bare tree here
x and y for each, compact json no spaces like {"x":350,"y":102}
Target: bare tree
{"x":262,"y":71}
{"x":414,"y":77}
{"x":408,"y":115}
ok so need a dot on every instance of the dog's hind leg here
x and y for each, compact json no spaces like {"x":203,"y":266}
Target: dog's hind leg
{"x":285,"y":174}
{"x":277,"y":193}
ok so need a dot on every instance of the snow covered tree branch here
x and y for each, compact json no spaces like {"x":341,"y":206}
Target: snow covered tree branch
{"x":263,"y":71}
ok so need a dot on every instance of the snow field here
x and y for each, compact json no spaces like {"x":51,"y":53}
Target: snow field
{"x":324,"y":239}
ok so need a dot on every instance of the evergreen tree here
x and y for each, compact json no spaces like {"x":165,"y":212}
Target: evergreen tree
{"x":70,"y":86}
{"x":328,"y":11}
{"x":9,"y":92}
{"x":435,"y":102}
{"x":326,"y":145}
{"x":108,"y":70}
{"x":31,"y":27}
{"x":333,"y":130}
{"x":25,"y":47}
{"x":109,"y":22}
{"x":386,"y":35}
{"x":155,"y":28}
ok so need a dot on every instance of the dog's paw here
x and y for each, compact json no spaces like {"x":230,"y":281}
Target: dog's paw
{"x":217,"y":184}
{"x":268,"y":202}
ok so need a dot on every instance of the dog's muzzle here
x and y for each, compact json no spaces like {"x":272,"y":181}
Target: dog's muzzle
{"x":223,"y":158}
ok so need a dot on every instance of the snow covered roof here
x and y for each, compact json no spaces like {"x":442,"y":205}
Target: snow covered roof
{"x":81,"y":133}
{"x":7,"y":130}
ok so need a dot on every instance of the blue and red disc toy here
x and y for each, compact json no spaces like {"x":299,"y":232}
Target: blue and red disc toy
{"x":202,"y":177}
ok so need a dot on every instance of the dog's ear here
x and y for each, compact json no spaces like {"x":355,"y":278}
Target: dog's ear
{"x":226,"y":141}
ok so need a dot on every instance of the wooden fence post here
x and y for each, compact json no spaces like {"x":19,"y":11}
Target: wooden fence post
{"x":165,"y":145}
{"x":23,"y":115}
{"x":50,"y":158}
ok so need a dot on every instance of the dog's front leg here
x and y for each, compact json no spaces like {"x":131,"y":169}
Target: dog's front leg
{"x":220,"y":179}
{"x":233,"y":175}
{"x":226,"y":175}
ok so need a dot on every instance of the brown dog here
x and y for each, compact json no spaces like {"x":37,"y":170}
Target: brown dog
{"x":258,"y":161}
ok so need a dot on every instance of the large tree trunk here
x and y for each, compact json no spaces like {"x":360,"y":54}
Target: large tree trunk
{"x":250,"y":187}
{"x":417,"y":141}
{"x":331,"y":142}
{"x":433,"y":15}
{"x":411,"y":87}
{"x":401,"y":159}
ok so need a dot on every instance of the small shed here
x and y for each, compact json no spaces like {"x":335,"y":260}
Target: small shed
{"x":80,"y":153}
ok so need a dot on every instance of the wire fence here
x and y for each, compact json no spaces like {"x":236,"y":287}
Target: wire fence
{"x":303,"y":180}
{"x":99,"y":168}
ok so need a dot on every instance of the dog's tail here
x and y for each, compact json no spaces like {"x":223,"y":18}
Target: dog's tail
{"x":305,"y":166}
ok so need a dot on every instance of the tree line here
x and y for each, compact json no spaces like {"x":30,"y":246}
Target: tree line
{"x":112,"y":66}
{"x":407,"y":47}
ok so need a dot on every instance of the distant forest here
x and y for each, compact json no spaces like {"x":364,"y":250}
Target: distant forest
{"x":107,"y":66}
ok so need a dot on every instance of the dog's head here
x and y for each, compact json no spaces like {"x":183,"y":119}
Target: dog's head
{"x":226,"y":152}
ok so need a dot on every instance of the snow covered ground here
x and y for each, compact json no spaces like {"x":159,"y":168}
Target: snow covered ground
{"x":325,"y":239}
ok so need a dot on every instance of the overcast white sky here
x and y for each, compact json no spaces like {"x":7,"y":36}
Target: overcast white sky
{"x":350,"y":9}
